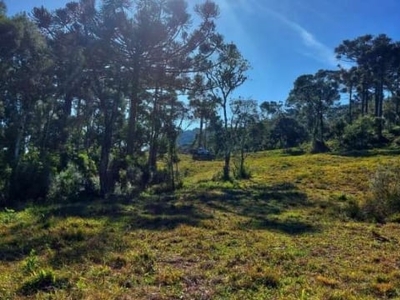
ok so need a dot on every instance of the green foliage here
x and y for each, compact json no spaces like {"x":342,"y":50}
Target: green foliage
{"x":43,"y":280}
{"x":241,"y":171}
{"x":360,"y":134}
{"x":8,"y":216}
{"x":265,"y":238}
{"x":67,"y":185}
{"x":5,"y":174}
{"x":30,"y":265}
{"x":87,"y":167}
{"x":287,"y":132}
{"x":29,"y":180}
{"x":384,"y":198}
{"x":395,"y":131}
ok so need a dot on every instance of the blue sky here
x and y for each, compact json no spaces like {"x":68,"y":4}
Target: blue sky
{"x":284,"y":39}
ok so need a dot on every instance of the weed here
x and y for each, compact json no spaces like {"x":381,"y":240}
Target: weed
{"x":8,"y":216}
{"x":384,"y":198}
{"x":144,"y":263}
{"x":44,"y":280}
{"x":30,"y":264}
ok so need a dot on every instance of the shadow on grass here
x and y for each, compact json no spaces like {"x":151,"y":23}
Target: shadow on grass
{"x":368,"y":153}
{"x":288,"y":226}
{"x":152,"y":213}
{"x":262,"y":204}
{"x":68,"y":245}
{"x":77,"y":239}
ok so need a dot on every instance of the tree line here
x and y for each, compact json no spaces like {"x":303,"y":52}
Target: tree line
{"x":94,"y":95}
{"x":354,"y":107}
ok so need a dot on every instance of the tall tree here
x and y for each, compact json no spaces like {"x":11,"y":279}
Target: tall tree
{"x":69,"y":31}
{"x":24,"y":65}
{"x":348,"y":78}
{"x":160,"y":35}
{"x":228,"y":74}
{"x":312,"y":95}
{"x":374,"y":57}
{"x":244,"y":116}
{"x":203,"y":106}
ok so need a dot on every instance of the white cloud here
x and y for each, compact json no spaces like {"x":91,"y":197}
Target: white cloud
{"x":320,"y":51}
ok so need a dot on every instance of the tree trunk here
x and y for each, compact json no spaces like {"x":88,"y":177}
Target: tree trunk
{"x":362,"y":102}
{"x":397,"y":97}
{"x":242,"y":169}
{"x":351,"y":104}
{"x":205,"y":134}
{"x":380,"y":109}
{"x":201,"y":144}
{"x":133,"y":111}
{"x":105,"y":185}
{"x":226,"y":169}
{"x":321,"y":126}
{"x":106,"y":182}
{"x":377,"y":100}
{"x":67,"y":109}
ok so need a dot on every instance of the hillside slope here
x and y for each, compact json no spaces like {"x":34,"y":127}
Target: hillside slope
{"x":287,"y":233}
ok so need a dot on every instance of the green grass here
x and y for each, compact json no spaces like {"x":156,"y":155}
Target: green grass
{"x":287,"y":233}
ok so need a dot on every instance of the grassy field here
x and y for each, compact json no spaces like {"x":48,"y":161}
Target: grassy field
{"x":287,"y":233}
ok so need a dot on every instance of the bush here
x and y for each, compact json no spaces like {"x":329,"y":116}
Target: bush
{"x":67,"y":185}
{"x":29,"y":181}
{"x":395,"y":131}
{"x":359,"y":135}
{"x":384,"y":198}
{"x":44,"y":280}
{"x":87,"y":167}
{"x":241,"y":172}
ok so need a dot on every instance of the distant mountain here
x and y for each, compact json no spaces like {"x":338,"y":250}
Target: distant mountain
{"x":187,"y":137}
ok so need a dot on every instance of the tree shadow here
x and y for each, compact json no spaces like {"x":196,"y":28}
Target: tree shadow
{"x":287,"y":226}
{"x":74,"y":241}
{"x":157,"y":212}
{"x":67,"y":245}
{"x":263,"y":205}
{"x":368,"y":153}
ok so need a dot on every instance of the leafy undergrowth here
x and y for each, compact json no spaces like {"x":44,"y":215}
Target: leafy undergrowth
{"x":287,"y":233}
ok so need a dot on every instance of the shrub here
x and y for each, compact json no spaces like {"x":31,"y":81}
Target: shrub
{"x":44,"y":280}
{"x":395,"y":131}
{"x":241,"y":172}
{"x":67,"y":184}
{"x":30,"y":264}
{"x":384,"y":198}
{"x":360,"y":134}
{"x":87,"y":167}
{"x":29,"y":180}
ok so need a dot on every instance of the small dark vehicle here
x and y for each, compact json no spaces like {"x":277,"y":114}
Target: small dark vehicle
{"x":202,"y":154}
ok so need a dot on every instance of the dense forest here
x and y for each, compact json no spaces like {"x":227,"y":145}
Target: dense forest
{"x":93,"y":97}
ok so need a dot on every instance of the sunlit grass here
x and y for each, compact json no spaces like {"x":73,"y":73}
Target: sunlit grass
{"x":287,"y":233}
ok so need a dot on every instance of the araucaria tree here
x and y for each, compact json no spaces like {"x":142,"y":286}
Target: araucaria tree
{"x":95,"y":84}
{"x":376,"y":60}
{"x":312,"y":96}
